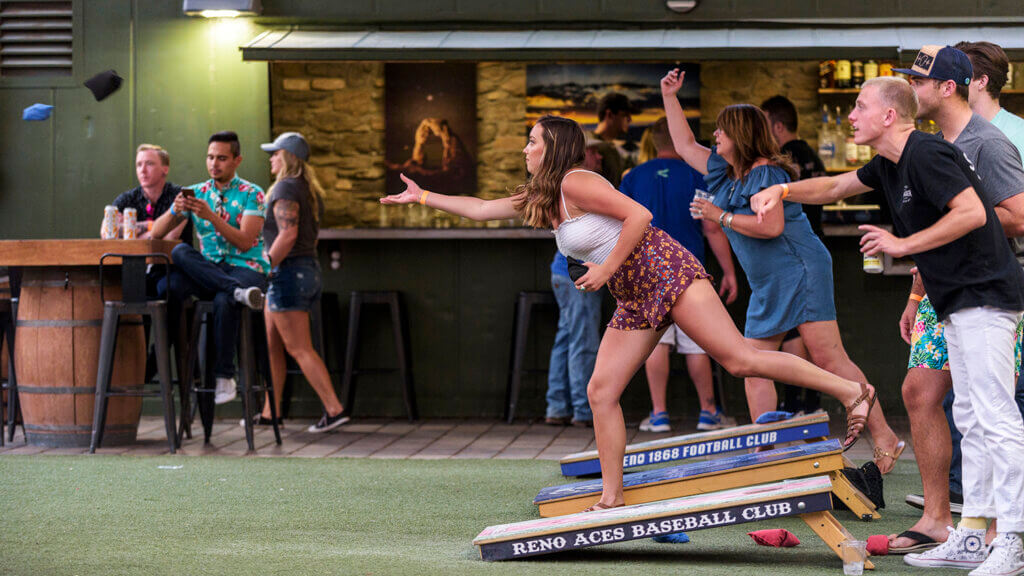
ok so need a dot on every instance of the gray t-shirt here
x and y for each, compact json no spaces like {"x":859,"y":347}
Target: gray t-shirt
{"x":296,"y":190}
{"x":997,"y":163}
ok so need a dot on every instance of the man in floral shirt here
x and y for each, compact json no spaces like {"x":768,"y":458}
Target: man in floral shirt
{"x":227,"y":213}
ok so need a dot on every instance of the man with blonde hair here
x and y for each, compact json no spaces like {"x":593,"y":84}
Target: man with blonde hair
{"x":945,"y":220}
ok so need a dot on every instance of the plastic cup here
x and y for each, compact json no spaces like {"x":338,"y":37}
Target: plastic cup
{"x":699,"y":194}
{"x":853,"y":553}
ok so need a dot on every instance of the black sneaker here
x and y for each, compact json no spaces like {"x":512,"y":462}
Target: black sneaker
{"x":328,"y":423}
{"x":259,"y":420}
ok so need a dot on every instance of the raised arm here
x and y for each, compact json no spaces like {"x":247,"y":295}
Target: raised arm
{"x":822,"y":190}
{"x":591,"y":193}
{"x":465,"y":206}
{"x":682,"y":137}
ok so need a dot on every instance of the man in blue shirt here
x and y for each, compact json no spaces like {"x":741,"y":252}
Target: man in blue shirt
{"x":666,"y":186}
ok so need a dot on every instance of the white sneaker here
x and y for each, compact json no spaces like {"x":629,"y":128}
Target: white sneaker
{"x":251,"y":297}
{"x":965,"y":548}
{"x":1005,"y":557}
{"x":226,"y":391}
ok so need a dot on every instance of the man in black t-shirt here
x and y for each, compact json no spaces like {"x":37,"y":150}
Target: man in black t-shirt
{"x":977,"y":290}
{"x":151,"y":198}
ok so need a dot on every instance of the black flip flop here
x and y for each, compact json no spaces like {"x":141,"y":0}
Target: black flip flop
{"x":922,"y":542}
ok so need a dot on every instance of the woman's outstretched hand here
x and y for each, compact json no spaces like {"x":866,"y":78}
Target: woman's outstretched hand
{"x":410,"y":195}
{"x":672,"y":82}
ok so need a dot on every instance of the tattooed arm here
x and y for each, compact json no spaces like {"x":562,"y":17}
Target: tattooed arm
{"x":286,"y":214}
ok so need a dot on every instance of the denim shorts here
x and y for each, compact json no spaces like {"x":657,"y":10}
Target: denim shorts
{"x":294,"y":285}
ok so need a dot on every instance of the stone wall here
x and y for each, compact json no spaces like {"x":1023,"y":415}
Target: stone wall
{"x":339,"y":106}
{"x":753,"y":82}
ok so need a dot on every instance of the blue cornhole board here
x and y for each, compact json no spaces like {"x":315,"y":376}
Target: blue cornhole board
{"x":810,"y":427}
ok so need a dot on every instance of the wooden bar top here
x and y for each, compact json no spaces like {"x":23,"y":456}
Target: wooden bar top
{"x":74,"y":252}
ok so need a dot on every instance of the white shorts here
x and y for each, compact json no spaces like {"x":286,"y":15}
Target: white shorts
{"x":674,"y":336}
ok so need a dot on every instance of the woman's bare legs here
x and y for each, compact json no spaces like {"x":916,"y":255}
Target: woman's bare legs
{"x":292,"y":329}
{"x":761,"y":394}
{"x":701,"y":314}
{"x":278,"y":364}
{"x":825,"y":347}
{"x":621,"y":354}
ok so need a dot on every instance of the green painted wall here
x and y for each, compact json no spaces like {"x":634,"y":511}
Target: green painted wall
{"x":184,"y":79}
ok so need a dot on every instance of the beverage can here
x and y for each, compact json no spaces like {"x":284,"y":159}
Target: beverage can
{"x":108,"y":231}
{"x":130,"y":218}
{"x":873,"y":264}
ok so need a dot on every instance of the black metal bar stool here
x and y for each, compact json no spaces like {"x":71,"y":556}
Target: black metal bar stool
{"x":133,"y":302}
{"x":525,"y":304}
{"x":8,"y":318}
{"x":248,"y":374}
{"x":393,"y":301}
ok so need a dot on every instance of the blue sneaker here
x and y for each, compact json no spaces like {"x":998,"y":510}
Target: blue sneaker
{"x":709,"y":421}
{"x":656,"y":422}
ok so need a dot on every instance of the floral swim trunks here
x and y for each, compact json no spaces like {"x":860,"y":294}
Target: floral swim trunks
{"x":928,"y":341}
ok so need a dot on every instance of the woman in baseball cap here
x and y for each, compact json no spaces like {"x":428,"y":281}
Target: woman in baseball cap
{"x":295,"y":205}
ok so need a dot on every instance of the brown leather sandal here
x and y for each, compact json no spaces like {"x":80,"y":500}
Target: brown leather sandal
{"x":855,"y":423}
{"x":601,"y":506}
{"x":895,"y":455}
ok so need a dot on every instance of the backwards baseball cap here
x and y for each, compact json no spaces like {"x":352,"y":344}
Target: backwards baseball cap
{"x":941,"y":63}
{"x":290,"y":141}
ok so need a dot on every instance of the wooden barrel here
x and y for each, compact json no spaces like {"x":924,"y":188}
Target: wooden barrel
{"x":60,"y":317}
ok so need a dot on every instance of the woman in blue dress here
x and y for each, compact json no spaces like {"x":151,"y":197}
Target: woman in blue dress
{"x":787,"y":266}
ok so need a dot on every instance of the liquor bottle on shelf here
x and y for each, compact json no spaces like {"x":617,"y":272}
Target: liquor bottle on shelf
{"x":885,"y":69}
{"x":870,"y":70}
{"x":827,"y":74}
{"x":826,"y":144}
{"x":850,"y":149}
{"x":839,"y":160}
{"x":843,"y":74}
{"x":1009,"y":76}
{"x":857,"y":73}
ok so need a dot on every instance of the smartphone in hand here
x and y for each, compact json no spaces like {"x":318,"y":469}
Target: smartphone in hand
{"x":188,"y":193}
{"x":576,"y":268}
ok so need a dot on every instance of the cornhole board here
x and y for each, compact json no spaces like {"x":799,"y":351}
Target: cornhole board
{"x":807,"y":428}
{"x":809,"y":498}
{"x":798,"y":461}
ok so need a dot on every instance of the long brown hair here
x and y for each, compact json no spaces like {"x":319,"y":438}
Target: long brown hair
{"x":747,"y":126}
{"x":295,"y":167}
{"x":536,"y":199}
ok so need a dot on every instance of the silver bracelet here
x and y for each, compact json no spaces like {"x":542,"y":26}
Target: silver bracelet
{"x":728,"y":221}
{"x":721,"y":218}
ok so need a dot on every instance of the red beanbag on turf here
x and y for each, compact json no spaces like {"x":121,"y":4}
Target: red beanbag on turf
{"x":779,"y":538}
{"x":878,"y":545}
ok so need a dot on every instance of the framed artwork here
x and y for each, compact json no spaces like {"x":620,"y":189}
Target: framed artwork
{"x":430,"y":118}
{"x":574,"y":90}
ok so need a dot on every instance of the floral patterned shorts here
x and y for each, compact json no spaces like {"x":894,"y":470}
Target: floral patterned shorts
{"x":648,"y":283}
{"x":928,"y":341}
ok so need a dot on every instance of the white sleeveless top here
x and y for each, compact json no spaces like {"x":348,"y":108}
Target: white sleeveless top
{"x":588,"y":237}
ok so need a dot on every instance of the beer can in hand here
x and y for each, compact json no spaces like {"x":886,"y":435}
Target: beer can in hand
{"x":130,"y":218}
{"x":873,"y":264}
{"x":109,"y":229}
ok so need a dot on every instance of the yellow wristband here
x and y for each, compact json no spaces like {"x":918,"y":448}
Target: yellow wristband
{"x":785,"y":191}
{"x":917,"y":297}
{"x":423,"y":197}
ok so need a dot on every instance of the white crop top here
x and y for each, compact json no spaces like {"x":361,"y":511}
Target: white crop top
{"x":588,"y":237}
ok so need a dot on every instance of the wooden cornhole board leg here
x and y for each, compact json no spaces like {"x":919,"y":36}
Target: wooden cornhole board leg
{"x":854,"y":499}
{"x":830,"y":531}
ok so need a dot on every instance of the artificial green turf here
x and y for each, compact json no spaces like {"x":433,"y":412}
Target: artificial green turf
{"x":82,"y":515}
